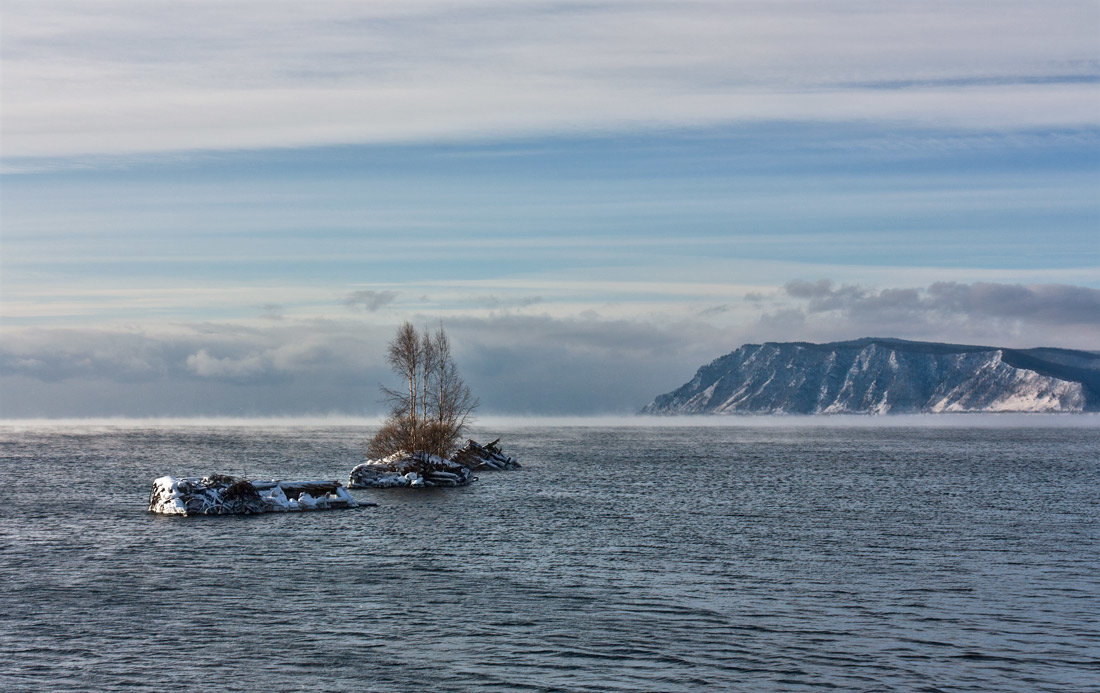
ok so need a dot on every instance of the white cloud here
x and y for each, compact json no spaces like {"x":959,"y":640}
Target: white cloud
{"x":127,"y":77}
{"x":991,"y":313}
{"x":1050,"y":304}
{"x":370,"y":300}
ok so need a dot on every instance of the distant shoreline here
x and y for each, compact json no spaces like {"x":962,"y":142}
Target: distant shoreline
{"x":491,"y":422}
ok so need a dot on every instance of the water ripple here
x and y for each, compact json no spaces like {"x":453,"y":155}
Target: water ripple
{"x":776,"y":559}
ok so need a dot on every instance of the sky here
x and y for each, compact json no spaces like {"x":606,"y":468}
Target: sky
{"x":226,"y":208}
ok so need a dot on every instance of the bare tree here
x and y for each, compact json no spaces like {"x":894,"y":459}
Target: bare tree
{"x":431,"y":414}
{"x":405,"y":356}
{"x":452,"y":400}
{"x":429,"y":356}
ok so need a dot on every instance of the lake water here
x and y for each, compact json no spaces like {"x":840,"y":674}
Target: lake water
{"x":619,"y":558}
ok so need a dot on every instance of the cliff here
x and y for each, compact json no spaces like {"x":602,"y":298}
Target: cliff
{"x":887,"y":376}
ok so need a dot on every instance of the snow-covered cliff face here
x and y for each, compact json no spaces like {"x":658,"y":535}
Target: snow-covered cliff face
{"x":884,"y":376}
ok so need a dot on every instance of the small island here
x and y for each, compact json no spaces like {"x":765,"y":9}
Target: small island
{"x":414,"y":448}
{"x":416,"y":445}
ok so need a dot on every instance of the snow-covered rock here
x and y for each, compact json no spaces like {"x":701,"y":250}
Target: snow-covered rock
{"x":219,"y":494}
{"x":888,"y":376}
{"x":417,"y":469}
{"x":481,"y":457}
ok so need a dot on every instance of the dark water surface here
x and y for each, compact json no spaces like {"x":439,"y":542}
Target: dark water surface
{"x":665,"y":559}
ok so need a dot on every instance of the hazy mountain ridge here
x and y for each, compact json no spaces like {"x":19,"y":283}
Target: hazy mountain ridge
{"x":881,"y":376}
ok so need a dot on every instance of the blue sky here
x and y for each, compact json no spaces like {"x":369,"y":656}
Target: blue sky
{"x":226,"y":208}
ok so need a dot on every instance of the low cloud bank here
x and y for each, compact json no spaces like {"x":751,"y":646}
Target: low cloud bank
{"x":537,"y":365}
{"x":517,"y":364}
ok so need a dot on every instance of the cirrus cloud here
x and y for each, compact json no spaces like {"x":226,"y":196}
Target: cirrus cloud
{"x":82,"y":78}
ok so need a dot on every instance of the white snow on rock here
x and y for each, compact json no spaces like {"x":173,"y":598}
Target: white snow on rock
{"x":416,"y":469}
{"x":420,"y":470}
{"x":484,"y":457}
{"x":219,"y":494}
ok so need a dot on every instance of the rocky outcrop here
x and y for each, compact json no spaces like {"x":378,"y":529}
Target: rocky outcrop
{"x":421,"y":470}
{"x":219,"y":494}
{"x":887,"y":376}
{"x":484,"y":457}
{"x":416,"y":470}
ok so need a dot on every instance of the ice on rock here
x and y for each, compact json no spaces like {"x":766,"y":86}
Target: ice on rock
{"x":219,"y":494}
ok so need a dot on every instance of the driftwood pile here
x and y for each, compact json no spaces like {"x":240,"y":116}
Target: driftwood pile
{"x":419,"y":469}
{"x":483,"y":457}
{"x":219,"y":494}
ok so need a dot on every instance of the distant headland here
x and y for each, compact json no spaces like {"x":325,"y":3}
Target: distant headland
{"x":887,"y":376}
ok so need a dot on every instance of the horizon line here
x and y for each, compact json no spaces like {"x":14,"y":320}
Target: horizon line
{"x":955,"y":419}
